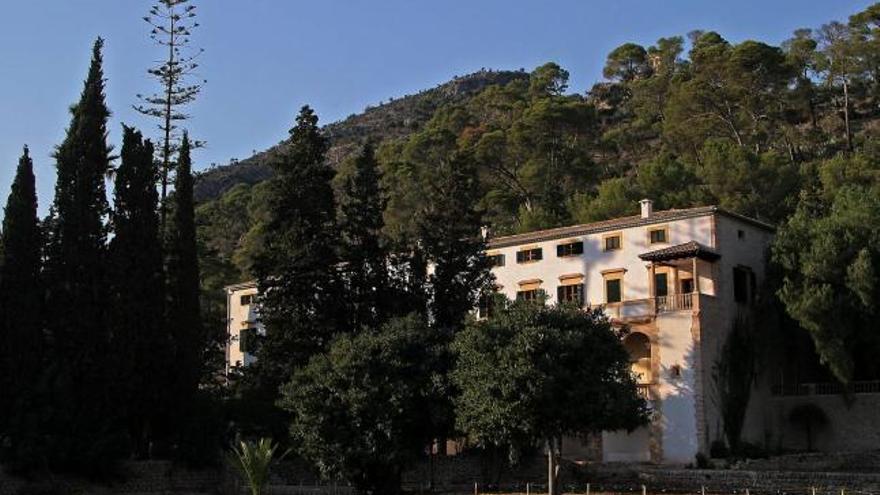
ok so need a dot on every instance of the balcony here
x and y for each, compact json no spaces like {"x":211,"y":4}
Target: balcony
{"x":674,"y":302}
{"x":637,"y":308}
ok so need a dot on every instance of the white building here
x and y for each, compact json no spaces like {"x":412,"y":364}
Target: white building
{"x":677,"y":278}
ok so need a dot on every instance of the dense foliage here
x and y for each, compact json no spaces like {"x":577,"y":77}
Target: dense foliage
{"x":531,"y":374}
{"x":363,"y":410}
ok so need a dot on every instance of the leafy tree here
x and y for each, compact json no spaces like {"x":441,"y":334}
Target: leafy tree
{"x":760,"y":186}
{"x":140,"y":344}
{"x":22,"y":344}
{"x":360,"y":224}
{"x":827,"y":252}
{"x":362,"y":410}
{"x":172,"y":23}
{"x":548,"y":80}
{"x":533,"y":374}
{"x":614,"y":198}
{"x":296,"y":271}
{"x":841,"y":66}
{"x":76,"y":276}
{"x":626,"y":63}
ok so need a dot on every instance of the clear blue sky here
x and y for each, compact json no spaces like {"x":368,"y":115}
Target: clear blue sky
{"x":266,"y":58}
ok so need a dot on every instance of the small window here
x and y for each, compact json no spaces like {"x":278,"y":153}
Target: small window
{"x":573,"y":293}
{"x":247,"y":340}
{"x":741,"y":234}
{"x":485,"y":306}
{"x":570,"y":249}
{"x":612,"y":243}
{"x":657,"y":236}
{"x":495,"y":260}
{"x":613,"y":293}
{"x":531,"y":295}
{"x":246,"y":299}
{"x":528,"y":255}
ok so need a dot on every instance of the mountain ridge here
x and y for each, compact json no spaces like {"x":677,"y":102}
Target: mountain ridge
{"x":396,"y":118}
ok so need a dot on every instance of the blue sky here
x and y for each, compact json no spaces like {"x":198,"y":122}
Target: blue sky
{"x":266,"y":58}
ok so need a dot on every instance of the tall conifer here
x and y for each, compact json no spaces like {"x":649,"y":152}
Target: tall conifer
{"x":364,"y":257}
{"x":140,"y":345}
{"x":297,"y":269}
{"x":184,"y":318}
{"x":83,"y":428}
{"x":21,"y":310}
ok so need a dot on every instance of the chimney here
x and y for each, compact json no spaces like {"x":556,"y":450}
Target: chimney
{"x":647,"y":208}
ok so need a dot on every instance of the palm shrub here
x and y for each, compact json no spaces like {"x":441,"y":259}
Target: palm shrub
{"x":253,"y":460}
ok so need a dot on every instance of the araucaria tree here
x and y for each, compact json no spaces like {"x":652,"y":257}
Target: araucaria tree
{"x":172,"y":23}
{"x":140,"y":343}
{"x":532,"y":374}
{"x":76,"y":286}
{"x":297,"y":268}
{"x":21,"y":311}
{"x":184,"y":310}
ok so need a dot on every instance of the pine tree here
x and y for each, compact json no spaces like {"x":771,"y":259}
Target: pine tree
{"x":364,"y":257}
{"x":184,"y":313}
{"x":296,"y":271}
{"x":449,"y":229}
{"x":140,"y":345}
{"x":83,"y":429}
{"x":21,"y":310}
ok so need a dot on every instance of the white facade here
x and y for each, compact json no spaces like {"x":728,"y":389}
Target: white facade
{"x":674,"y":273}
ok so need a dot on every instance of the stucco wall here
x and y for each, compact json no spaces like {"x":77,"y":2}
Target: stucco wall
{"x":239,"y":317}
{"x":595,"y":260}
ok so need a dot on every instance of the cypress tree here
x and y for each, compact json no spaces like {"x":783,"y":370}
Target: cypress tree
{"x":363,"y":255}
{"x":83,"y":431}
{"x":296,"y":272}
{"x":21,"y":310}
{"x":184,"y":317}
{"x":448,"y":227}
{"x":140,"y":345}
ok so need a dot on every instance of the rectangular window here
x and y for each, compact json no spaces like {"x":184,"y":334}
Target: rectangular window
{"x":495,"y":260}
{"x":247,"y":340}
{"x":528,"y":255}
{"x":570,"y":249}
{"x":741,"y":284}
{"x":486,"y":306}
{"x":661,"y":288}
{"x":573,"y":293}
{"x":246,"y":299}
{"x":613,"y":292}
{"x":612,"y":243}
{"x":531,"y":295}
{"x":657,"y":236}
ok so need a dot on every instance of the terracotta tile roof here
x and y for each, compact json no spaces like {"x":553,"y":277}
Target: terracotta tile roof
{"x":615,"y":224}
{"x":592,"y":228}
{"x":687,"y":250}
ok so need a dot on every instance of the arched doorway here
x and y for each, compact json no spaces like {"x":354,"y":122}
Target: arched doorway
{"x":638,"y":346}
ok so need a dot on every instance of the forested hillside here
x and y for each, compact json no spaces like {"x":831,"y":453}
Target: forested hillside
{"x":772,"y":132}
{"x":394,"y":119}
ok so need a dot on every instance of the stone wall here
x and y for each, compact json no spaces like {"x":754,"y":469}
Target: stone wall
{"x":852,"y":425}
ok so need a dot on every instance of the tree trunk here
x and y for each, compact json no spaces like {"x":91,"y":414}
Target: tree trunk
{"x":552,"y":467}
{"x":849,"y":144}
